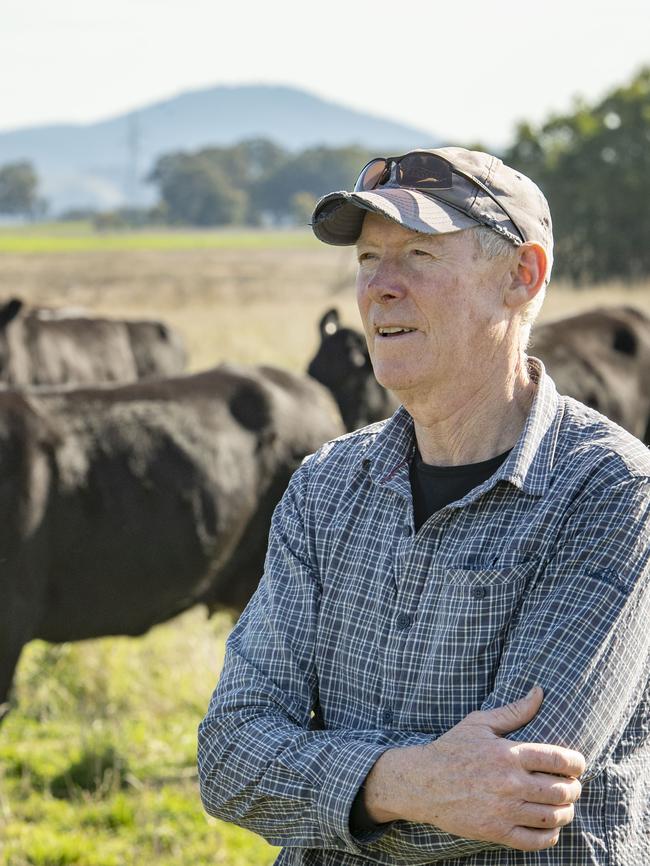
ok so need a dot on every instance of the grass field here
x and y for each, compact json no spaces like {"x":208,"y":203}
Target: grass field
{"x":76,"y":237}
{"x":97,"y":762}
{"x":97,"y":757}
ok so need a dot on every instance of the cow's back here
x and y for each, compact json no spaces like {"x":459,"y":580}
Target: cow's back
{"x":158,"y":350}
{"x":78,"y":351}
{"x":53,"y":347}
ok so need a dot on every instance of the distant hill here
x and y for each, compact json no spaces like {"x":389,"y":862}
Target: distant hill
{"x":103,"y":164}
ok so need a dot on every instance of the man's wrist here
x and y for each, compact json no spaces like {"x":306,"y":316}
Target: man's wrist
{"x":388,"y":783}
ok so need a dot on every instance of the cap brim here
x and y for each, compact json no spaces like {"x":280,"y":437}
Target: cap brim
{"x":338,"y":217}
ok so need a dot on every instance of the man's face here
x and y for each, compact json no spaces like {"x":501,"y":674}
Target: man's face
{"x":443,"y":293}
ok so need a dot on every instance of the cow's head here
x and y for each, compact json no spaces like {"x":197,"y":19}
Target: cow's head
{"x":8,"y":314}
{"x":9,"y":311}
{"x":343,"y":365}
{"x":342,"y":355}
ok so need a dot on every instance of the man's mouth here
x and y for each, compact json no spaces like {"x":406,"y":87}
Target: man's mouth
{"x":394,"y":331}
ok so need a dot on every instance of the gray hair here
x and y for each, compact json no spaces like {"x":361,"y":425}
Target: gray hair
{"x":493,"y":246}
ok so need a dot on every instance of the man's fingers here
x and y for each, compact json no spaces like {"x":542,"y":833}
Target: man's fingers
{"x":544,"y":817}
{"x":556,"y":760}
{"x":551,"y":790}
{"x":525,"y":839}
{"x":503,"y":720}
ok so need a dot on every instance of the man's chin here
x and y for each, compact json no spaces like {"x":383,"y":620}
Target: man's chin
{"x":392,"y":372}
{"x":399,"y":385}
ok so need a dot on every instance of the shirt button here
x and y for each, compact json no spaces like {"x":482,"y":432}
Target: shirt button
{"x":479,"y":592}
{"x":406,"y":530}
{"x":403,"y":620}
{"x":365,"y":464}
{"x":387,"y":717}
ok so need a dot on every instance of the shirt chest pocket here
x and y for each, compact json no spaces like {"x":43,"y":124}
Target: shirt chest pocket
{"x":479,"y":602}
{"x":464,"y":618}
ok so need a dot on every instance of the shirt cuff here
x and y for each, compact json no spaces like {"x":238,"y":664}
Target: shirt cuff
{"x":362,"y":827}
{"x":342,"y":780}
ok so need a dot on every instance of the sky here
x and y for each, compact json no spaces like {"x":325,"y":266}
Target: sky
{"x":465,"y":72}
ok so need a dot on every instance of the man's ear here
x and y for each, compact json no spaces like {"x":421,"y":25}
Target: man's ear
{"x":528,"y":278}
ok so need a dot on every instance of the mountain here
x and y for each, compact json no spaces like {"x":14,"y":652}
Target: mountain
{"x":103,"y":164}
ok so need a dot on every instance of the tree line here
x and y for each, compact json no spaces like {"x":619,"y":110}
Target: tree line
{"x":593,"y":164}
{"x":251,"y":183}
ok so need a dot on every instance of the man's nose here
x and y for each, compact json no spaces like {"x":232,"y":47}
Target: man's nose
{"x":386,"y":284}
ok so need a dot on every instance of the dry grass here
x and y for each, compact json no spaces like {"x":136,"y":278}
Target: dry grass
{"x":252,"y":306}
{"x":563,"y":299}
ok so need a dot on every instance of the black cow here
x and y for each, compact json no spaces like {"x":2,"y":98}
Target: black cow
{"x":342,"y":364}
{"x":42,"y":347}
{"x":601,"y":357}
{"x":123,"y":506}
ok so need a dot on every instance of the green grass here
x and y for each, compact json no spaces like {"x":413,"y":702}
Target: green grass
{"x":58,"y":227}
{"x":98,"y":754}
{"x":80,"y":237}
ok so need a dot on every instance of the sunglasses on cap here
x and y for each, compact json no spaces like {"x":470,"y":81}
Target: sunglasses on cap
{"x":427,"y":173}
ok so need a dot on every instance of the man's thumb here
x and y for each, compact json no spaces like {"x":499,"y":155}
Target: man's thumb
{"x":503,"y":720}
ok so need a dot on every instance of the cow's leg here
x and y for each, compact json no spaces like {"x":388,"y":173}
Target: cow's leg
{"x":9,"y":660}
{"x":19,"y":615}
{"x":14,"y":634}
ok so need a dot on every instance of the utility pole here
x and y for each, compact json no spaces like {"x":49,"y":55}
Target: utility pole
{"x":133,"y":141}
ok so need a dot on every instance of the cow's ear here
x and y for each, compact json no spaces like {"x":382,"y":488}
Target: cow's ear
{"x":250,"y":405}
{"x":329,"y":324}
{"x":10,"y":311}
{"x":625,"y":341}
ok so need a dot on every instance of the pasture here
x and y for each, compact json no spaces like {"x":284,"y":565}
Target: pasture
{"x":97,"y":759}
{"x":80,"y":237}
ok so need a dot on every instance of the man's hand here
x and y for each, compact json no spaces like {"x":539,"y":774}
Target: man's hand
{"x":473,"y":783}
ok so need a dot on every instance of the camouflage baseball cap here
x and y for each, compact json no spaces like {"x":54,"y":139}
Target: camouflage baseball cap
{"x":451,"y":190}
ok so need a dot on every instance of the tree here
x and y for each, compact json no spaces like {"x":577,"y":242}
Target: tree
{"x":594,"y":167}
{"x":302,"y":207}
{"x":315,"y":172}
{"x":196,"y":191}
{"x":18,"y":189}
{"x":216,"y":185}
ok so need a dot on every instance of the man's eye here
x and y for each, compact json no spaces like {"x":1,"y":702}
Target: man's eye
{"x":421,"y":253}
{"x":364,"y":257}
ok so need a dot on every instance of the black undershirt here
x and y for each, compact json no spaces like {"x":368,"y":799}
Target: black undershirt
{"x":432,"y":487}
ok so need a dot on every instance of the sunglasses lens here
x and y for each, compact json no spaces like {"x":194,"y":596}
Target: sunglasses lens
{"x":424,"y":171}
{"x":371,"y":175}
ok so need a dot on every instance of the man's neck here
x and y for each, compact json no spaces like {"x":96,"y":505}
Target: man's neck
{"x":463,"y":425}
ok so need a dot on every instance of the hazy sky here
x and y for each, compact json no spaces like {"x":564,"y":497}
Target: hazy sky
{"x":464,"y":71}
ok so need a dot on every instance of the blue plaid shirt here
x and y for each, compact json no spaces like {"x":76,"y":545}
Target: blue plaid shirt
{"x":365,"y":635}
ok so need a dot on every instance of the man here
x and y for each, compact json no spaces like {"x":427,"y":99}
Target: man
{"x":452,"y":625}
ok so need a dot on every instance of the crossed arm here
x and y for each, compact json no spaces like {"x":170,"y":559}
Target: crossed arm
{"x":474,"y":783}
{"x":261,"y":765}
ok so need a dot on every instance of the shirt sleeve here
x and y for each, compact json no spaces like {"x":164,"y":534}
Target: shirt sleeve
{"x":582,"y":629}
{"x":262,"y":764}
{"x":582,"y":634}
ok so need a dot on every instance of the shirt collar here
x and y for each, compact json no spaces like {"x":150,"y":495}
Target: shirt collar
{"x":528,"y":466}
{"x":530,"y":462}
